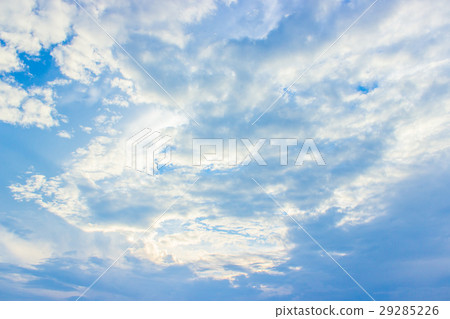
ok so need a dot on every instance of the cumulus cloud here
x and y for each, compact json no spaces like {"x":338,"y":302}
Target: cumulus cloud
{"x":29,"y":25}
{"x":33,"y":107}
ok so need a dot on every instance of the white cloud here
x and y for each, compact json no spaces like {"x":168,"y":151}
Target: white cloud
{"x":214,"y":243}
{"x":8,"y":59}
{"x":296,"y":268}
{"x":29,"y":25}
{"x":35,"y":107}
{"x":127,"y":86}
{"x":58,"y":82}
{"x":64,"y":134}
{"x":87,"y":54}
{"x":86,"y":129}
{"x":167,"y":20}
{"x":64,"y":202}
{"x":90,"y":52}
{"x":105,"y":123}
{"x":116,"y":100}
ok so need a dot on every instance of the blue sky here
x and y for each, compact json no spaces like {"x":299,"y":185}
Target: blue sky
{"x":376,"y":104}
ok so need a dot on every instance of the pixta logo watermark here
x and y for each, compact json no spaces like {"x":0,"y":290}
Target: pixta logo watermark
{"x":148,"y":151}
{"x":209,"y":151}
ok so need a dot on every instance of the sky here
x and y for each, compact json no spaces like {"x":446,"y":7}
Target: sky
{"x":367,"y":82}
